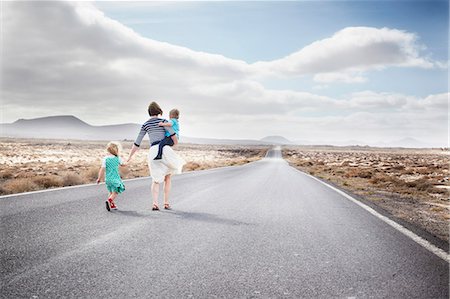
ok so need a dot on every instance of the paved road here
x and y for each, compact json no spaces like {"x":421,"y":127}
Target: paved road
{"x":259,"y":230}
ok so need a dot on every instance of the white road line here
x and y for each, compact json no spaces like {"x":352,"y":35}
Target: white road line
{"x":63,"y":188}
{"x":127,"y":180}
{"x":419,"y":240}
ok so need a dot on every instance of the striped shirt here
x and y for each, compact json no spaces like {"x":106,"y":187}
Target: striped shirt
{"x":155,"y":132}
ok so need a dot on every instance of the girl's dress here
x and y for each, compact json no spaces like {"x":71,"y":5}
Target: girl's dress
{"x":112,"y":177}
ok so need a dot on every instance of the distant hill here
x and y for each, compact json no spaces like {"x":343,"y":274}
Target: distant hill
{"x":276,"y":140}
{"x":71,"y":127}
{"x":67,"y":127}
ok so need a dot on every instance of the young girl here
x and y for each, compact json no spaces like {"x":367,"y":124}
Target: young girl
{"x":110,"y":166}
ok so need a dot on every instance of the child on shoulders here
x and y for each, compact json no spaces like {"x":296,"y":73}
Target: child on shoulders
{"x":174,"y":114}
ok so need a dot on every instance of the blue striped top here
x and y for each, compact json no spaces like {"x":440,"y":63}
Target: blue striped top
{"x":155,"y":132}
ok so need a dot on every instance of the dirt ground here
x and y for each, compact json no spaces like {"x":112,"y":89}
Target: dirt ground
{"x":31,"y":164}
{"x":411,"y":184}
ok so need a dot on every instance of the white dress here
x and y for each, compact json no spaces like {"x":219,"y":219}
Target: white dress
{"x":171,"y":163}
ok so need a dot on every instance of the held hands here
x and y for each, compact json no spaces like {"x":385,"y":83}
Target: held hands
{"x":160,"y":124}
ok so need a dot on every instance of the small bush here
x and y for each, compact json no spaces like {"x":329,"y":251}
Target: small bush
{"x":72,"y":179}
{"x":6,"y":174}
{"x":48,"y":181}
{"x":91,"y":174}
{"x":359,"y":173}
{"x":189,"y":166}
{"x":124,"y":172}
{"x":19,"y":186}
{"x":421,"y":185}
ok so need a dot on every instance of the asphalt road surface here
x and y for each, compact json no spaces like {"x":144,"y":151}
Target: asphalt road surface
{"x":263,"y":230}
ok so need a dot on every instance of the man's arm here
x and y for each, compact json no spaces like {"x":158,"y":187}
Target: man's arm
{"x":134,"y":149}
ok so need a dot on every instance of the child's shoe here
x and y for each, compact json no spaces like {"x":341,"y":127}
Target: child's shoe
{"x":110,"y":205}
{"x":158,"y":158}
{"x":113,"y":206}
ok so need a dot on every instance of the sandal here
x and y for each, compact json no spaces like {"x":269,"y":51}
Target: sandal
{"x":155,"y":208}
{"x":167,"y":207}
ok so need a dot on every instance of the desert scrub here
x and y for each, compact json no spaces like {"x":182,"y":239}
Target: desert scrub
{"x":54,"y":163}
{"x":6,"y":174}
{"x":18,"y":186}
{"x":404,"y":182}
{"x":49,"y":181}
{"x":72,"y":179}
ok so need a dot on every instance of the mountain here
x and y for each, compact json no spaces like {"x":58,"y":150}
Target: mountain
{"x":407,"y":142}
{"x":276,"y":140}
{"x":71,"y":127}
{"x":67,"y":127}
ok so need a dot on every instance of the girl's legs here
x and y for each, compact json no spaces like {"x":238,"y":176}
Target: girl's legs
{"x":113,"y":196}
{"x":155,"y":193}
{"x":167,"y":185}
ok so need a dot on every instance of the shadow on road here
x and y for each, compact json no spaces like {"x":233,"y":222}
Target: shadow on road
{"x":205,"y":217}
{"x":132,"y":214}
{"x":188,"y":216}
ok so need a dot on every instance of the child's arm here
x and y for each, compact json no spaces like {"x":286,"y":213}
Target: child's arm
{"x":165,"y":124}
{"x":101,"y":173}
{"x":122,"y":163}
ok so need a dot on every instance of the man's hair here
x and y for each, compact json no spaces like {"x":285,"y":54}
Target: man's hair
{"x":154,"y":109}
{"x":174,"y":113}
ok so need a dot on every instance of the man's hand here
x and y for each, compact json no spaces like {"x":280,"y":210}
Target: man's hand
{"x":160,"y":124}
{"x":98,"y":181}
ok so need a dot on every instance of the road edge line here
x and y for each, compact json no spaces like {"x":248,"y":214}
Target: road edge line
{"x":126,"y":180}
{"x":419,"y":240}
{"x":64,"y":188}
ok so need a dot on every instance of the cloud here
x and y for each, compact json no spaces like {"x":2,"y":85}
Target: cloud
{"x":353,"y":49}
{"x":69,"y":58}
{"x":338,"y":77}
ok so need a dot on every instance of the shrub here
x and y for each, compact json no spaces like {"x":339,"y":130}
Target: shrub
{"x":48,"y":181}
{"x":72,"y":179}
{"x":421,"y":185}
{"x":91,"y":174}
{"x":358,"y":173}
{"x":191,"y":166}
{"x":19,"y":186}
{"x":6,"y":174}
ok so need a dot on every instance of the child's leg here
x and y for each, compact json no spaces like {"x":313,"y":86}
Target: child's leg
{"x":164,"y":142}
{"x":169,"y":141}
{"x":111,"y":200}
{"x":113,"y":196}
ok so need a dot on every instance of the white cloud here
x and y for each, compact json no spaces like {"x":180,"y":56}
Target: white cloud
{"x":69,"y":58}
{"x":338,"y":77}
{"x":353,"y":49}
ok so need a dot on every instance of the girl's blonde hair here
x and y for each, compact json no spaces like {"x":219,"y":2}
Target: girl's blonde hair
{"x":114,"y":148}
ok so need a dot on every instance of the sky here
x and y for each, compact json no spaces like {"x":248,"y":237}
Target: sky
{"x":372,"y":71}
